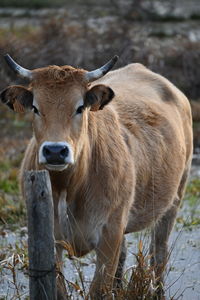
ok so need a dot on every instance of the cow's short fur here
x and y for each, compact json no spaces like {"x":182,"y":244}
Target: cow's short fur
{"x":132,"y":148}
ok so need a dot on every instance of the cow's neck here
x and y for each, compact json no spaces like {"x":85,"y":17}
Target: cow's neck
{"x":94,"y":148}
{"x":74,"y":176}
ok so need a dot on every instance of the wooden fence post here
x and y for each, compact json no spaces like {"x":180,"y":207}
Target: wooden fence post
{"x":41,"y":248}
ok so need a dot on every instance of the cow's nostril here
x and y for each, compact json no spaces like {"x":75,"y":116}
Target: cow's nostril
{"x":55,"y":153}
{"x":46,"y":151}
{"x":64,"y":152}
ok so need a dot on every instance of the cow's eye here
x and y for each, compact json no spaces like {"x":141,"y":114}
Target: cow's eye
{"x":80,"y":109}
{"x":36,"y":111}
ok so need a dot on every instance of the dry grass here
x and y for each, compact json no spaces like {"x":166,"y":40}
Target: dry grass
{"x":140,"y":284}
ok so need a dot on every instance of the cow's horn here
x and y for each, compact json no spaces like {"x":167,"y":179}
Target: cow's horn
{"x":98,"y":73}
{"x":17,"y":68}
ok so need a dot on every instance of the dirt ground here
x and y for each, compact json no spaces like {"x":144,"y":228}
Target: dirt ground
{"x":182,"y":280}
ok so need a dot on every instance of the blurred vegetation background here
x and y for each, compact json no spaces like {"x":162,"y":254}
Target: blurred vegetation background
{"x":163,"y":35}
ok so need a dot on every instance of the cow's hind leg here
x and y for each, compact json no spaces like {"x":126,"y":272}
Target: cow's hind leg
{"x":120,"y":267}
{"x":159,"y":239}
{"x":159,"y":248}
{"x":161,"y":232}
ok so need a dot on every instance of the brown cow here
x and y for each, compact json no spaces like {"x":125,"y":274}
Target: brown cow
{"x":118,"y":152}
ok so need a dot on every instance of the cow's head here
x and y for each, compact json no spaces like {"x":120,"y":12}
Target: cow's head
{"x":60,"y":98}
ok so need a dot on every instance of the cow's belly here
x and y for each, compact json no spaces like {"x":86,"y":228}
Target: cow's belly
{"x":146,"y":211}
{"x":139,"y":220}
{"x":83,"y":234}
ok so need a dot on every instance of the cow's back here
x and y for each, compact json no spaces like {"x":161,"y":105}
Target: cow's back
{"x":156,"y":123}
{"x":147,"y":102}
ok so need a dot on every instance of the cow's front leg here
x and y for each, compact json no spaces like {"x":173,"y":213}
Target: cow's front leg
{"x":59,"y":201}
{"x":107,"y":252}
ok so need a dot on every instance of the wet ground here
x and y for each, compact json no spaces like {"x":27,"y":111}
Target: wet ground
{"x":182,"y":277}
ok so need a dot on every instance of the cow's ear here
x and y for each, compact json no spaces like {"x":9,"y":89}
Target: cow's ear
{"x":98,"y":96}
{"x":18,"y":98}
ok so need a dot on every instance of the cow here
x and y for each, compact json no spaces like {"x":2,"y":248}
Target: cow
{"x":118,"y":148}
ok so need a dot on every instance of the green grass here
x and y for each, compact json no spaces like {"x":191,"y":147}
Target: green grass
{"x":188,"y":222}
{"x":193,"y":189}
{"x":12,"y":211}
{"x":196,"y":124}
{"x":18,"y":32}
{"x":4,"y":165}
{"x":193,"y":197}
{"x":190,"y":212}
{"x":35,"y":3}
{"x":12,"y":208}
{"x":162,"y":34}
{"x":9,"y":178}
{"x":9,"y":186}
{"x":195,"y":16}
{"x":31,"y":4}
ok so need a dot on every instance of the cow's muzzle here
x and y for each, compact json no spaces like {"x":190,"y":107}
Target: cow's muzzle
{"x":56,"y":155}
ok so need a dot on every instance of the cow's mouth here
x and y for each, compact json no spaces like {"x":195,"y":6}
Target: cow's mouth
{"x":55,"y":156}
{"x":58,"y":168}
